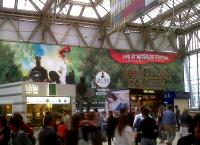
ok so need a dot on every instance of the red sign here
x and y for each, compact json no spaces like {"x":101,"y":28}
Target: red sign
{"x":143,"y":57}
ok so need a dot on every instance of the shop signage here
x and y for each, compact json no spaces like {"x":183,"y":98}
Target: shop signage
{"x":48,"y":100}
{"x":147,"y":78}
{"x":31,"y":89}
{"x":102,"y":79}
{"x":149,"y":91}
{"x":143,"y":57}
{"x":102,"y":92}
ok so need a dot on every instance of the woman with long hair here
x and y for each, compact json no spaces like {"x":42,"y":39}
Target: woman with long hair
{"x":73,"y":132}
{"x":123,"y":132}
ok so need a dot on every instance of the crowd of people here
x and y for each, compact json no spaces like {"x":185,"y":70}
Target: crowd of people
{"x":94,"y":128}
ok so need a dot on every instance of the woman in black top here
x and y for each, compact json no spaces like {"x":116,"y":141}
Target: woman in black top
{"x":4,"y":131}
{"x":194,"y":137}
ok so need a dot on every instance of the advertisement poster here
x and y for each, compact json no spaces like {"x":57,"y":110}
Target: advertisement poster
{"x":66,"y":64}
{"x":117,"y":100}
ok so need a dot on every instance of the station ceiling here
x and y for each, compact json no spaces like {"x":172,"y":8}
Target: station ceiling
{"x":182,"y":15}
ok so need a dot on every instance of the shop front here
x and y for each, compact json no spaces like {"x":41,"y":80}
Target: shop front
{"x":33,"y":99}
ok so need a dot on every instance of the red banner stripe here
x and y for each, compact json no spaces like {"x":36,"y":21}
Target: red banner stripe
{"x":143,"y":57}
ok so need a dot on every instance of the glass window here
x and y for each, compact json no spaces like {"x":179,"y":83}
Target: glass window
{"x":8,"y":3}
{"x":194,"y":102}
{"x":25,"y":5}
{"x":106,"y":5}
{"x":89,"y":12}
{"x":102,"y":12}
{"x":75,"y":11}
{"x":193,"y":67}
{"x":40,"y":3}
{"x":186,"y":75}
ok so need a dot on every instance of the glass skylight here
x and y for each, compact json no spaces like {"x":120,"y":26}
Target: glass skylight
{"x":158,"y":10}
{"x":102,"y":12}
{"x":137,"y":21}
{"x":75,"y":11}
{"x":40,"y":3}
{"x":106,"y":5}
{"x":8,"y":3}
{"x":66,"y":9}
{"x":75,"y":8}
{"x":89,"y":12}
{"x":25,"y":5}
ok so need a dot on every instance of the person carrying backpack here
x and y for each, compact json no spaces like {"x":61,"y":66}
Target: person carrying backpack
{"x":136,"y":123}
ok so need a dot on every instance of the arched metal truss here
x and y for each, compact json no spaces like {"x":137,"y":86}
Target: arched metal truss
{"x":86,"y":23}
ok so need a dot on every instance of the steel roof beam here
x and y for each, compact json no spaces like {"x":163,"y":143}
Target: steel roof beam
{"x":179,"y":8}
{"x":35,"y":6}
{"x":47,"y":6}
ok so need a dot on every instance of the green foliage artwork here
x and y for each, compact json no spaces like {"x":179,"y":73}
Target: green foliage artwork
{"x":17,"y":59}
{"x":10,"y":71}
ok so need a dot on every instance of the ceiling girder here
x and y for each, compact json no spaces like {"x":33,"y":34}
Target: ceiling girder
{"x":35,"y":6}
{"x":174,"y":45}
{"x":34,"y":31}
{"x":16,"y":3}
{"x":105,"y":36}
{"x":132,"y":47}
{"x":16,"y":28}
{"x":69,"y":10}
{"x":3,"y":22}
{"x":192,"y":28}
{"x":62,"y":6}
{"x":82,"y":10}
{"x":186,"y":17}
{"x":188,"y":41}
{"x":149,"y":40}
{"x":95,"y":10}
{"x":96,"y":37}
{"x":179,"y":8}
{"x":195,"y":33}
{"x":196,"y":10}
{"x":65,"y":34}
{"x":47,"y":6}
{"x":53,"y":36}
{"x":81,"y":35}
{"x":152,"y":45}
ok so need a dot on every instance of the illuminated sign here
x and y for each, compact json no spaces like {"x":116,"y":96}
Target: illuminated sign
{"x":102,"y":79}
{"x":31,"y":89}
{"x":149,"y":91}
{"x":48,"y":100}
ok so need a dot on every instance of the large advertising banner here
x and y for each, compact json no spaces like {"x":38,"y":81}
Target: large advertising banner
{"x":123,"y":11}
{"x":66,"y":64}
